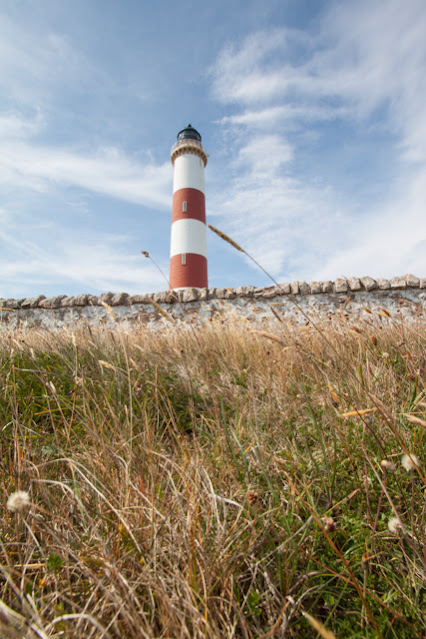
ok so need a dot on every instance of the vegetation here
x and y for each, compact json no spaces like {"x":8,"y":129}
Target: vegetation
{"x":214,"y":481}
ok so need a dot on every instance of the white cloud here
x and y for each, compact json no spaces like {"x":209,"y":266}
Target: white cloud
{"x":47,"y":253}
{"x":108,"y":171}
{"x":287,"y":113}
{"x":256,"y":72}
{"x":390,"y":242}
{"x":49,"y":243}
{"x":40,"y":68}
{"x":107,"y":267}
{"x":13,"y":126}
{"x":36,"y":63}
{"x":98,"y":263}
{"x":265,"y":154}
{"x":276,"y":223}
{"x":256,"y":119}
{"x":365,"y":65}
{"x":364,"y":55}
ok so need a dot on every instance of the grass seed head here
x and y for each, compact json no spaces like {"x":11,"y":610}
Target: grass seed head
{"x":52,"y":387}
{"x":109,"y":310}
{"x":226,"y":238}
{"x":388,"y":465}
{"x":18,"y":501}
{"x":329,"y":524}
{"x":394,"y":525}
{"x":410,"y":462}
{"x":161,"y":310}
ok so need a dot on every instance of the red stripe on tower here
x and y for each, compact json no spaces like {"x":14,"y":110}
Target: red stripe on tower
{"x":188,"y":247}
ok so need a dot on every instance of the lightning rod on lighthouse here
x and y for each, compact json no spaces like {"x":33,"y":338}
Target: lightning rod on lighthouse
{"x":188,"y":247}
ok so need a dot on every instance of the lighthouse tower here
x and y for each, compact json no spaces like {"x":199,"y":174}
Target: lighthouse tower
{"x":188,"y":249}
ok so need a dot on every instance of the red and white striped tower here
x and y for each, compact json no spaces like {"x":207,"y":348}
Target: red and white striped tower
{"x":188,"y":247}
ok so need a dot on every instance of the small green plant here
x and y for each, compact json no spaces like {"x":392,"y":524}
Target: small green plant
{"x":54,"y":562}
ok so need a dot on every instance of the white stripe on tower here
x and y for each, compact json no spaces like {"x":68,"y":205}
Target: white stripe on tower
{"x":188,"y":249}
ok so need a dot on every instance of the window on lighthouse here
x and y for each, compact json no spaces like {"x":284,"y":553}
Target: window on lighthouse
{"x":184,"y":206}
{"x":183,"y":259}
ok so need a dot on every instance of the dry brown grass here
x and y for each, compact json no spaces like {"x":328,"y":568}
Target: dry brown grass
{"x":205,"y":482}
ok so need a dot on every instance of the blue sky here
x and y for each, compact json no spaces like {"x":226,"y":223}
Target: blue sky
{"x":313,"y":113}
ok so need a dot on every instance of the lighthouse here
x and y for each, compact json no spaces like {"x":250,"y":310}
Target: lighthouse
{"x":188,"y":246}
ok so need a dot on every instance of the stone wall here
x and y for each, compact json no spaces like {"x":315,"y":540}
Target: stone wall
{"x":403,"y":296}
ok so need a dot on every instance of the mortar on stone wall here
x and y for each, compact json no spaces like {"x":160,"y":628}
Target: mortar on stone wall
{"x":400,"y":296}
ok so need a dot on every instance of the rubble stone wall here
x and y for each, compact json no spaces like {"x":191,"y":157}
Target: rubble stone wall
{"x":403,"y":296}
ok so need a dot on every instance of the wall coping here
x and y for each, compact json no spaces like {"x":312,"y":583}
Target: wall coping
{"x":341,"y":285}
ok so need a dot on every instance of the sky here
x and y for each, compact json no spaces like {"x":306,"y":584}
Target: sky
{"x":313,"y":113}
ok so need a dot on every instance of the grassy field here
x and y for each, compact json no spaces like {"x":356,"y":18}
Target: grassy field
{"x":215,"y":481}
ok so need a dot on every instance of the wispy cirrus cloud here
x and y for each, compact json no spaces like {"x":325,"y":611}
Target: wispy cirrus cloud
{"x":264,"y":154}
{"x":73,"y":263}
{"x":289,"y":114}
{"x":15,"y":127}
{"x":41,"y":71}
{"x":41,"y":249}
{"x":36,"y":63}
{"x":107,"y":171}
{"x":257,"y":71}
{"x":26,"y":162}
{"x":59,"y":257}
{"x":361,"y":64}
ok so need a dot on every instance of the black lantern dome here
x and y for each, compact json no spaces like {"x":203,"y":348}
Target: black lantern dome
{"x":189,"y":133}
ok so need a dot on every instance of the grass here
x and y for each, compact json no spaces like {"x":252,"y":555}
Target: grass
{"x":214,"y":482}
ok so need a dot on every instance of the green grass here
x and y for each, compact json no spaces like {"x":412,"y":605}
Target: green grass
{"x":204,"y":482}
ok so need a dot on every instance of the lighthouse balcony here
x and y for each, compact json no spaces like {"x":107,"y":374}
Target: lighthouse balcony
{"x":188,"y":146}
{"x":187,"y":142}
